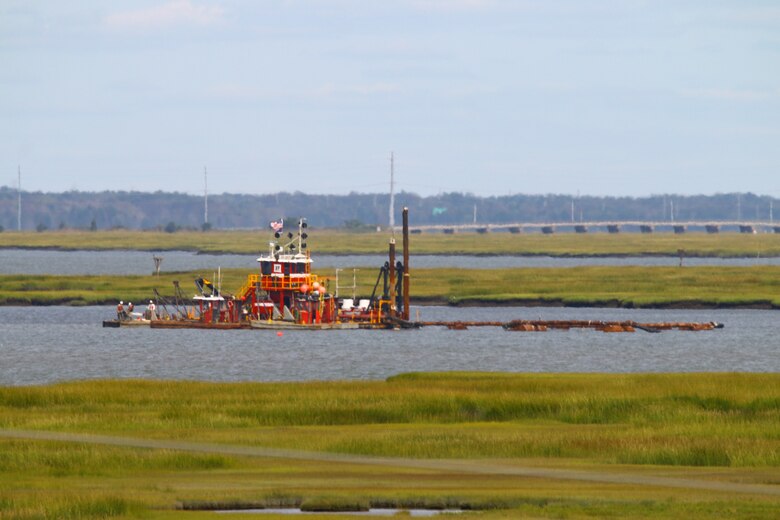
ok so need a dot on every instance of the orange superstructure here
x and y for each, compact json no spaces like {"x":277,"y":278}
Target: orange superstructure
{"x":285,"y":294}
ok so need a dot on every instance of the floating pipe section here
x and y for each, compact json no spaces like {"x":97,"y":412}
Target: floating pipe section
{"x":603,"y":326}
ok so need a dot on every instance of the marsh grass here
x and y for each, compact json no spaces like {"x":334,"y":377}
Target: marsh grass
{"x":96,"y":290}
{"x":619,"y":286}
{"x":272,"y":500}
{"x":625,"y":286}
{"x":59,"y":460}
{"x":674,"y":419}
{"x":718,"y":422}
{"x":70,"y":508}
{"x":341,"y":242}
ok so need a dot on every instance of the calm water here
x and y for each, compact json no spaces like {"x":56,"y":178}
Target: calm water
{"x":46,"y":344}
{"x":22,"y":261}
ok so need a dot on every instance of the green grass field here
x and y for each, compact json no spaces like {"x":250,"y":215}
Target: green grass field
{"x":342,"y":242}
{"x":628,"y":286}
{"x":461,"y":439}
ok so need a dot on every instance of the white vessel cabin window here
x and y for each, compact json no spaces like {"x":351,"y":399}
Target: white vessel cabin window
{"x":278,"y":268}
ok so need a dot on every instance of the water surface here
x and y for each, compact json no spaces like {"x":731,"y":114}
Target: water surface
{"x":113,"y":262}
{"x":46,"y":344}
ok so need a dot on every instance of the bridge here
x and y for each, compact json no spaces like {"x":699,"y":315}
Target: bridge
{"x":639,"y":226}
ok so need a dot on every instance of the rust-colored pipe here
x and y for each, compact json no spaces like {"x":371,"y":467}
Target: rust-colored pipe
{"x":392,"y":277}
{"x":406,"y":263}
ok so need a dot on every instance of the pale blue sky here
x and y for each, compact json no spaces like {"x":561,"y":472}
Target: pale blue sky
{"x":484,"y":96}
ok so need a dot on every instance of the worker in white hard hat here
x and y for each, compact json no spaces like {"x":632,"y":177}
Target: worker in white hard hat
{"x":120,"y":311}
{"x":151,"y":311}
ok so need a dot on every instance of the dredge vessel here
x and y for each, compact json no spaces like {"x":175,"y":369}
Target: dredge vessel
{"x":286,"y":295}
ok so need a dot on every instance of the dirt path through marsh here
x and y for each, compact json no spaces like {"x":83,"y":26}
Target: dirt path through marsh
{"x":456,"y":466}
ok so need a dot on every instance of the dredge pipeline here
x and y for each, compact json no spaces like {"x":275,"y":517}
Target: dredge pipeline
{"x":603,"y":326}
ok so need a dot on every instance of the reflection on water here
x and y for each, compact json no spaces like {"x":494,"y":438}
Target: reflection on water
{"x":46,"y":344}
{"x":36,"y":261}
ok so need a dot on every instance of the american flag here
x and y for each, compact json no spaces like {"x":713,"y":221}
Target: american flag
{"x":277,"y":225}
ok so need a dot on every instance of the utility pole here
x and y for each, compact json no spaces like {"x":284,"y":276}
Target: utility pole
{"x":475,"y":214}
{"x":19,"y":199}
{"x":205,"y":196}
{"x":392,"y":193}
{"x":771,"y":217}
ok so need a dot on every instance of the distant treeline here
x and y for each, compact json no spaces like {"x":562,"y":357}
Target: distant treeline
{"x":171,"y":211}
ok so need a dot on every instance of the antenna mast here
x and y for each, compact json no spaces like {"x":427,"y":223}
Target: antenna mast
{"x":19,"y":200}
{"x":205,"y":196}
{"x":392,"y":194}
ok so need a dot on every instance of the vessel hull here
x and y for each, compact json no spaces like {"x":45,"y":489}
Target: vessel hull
{"x":286,"y":325}
{"x":126,"y":323}
{"x":194,"y":324}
